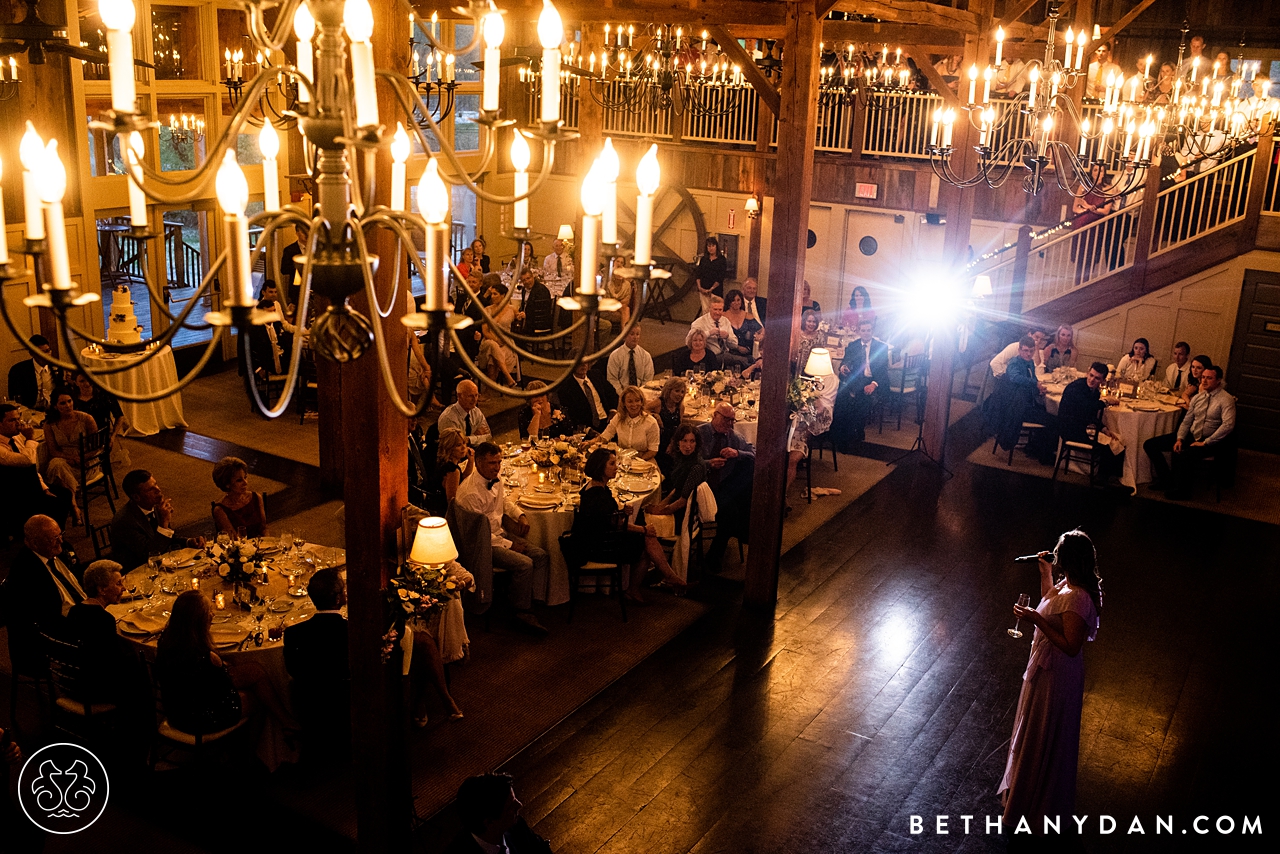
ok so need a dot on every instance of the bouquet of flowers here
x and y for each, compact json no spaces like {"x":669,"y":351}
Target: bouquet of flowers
{"x":716,"y":383}
{"x":419,"y":591}
{"x":802,"y":393}
{"x":236,"y":563}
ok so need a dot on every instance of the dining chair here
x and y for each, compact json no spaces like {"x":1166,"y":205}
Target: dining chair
{"x":580,"y":565}
{"x":95,"y":471}
{"x":74,"y":711}
{"x":1077,"y":452}
{"x":168,"y":739}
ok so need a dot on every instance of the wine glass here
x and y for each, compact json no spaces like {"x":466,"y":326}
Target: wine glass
{"x":298,"y":542}
{"x":1023,"y":601}
{"x":224,"y":539}
{"x":148,"y":590}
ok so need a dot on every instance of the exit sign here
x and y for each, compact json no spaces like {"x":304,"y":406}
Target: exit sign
{"x":866,"y":191}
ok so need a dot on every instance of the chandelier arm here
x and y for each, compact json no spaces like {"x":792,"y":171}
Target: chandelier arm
{"x":258,"y":31}
{"x":522,"y":394}
{"x":383,"y":215}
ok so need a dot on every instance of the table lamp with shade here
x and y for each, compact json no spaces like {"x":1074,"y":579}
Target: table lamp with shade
{"x":565,"y":233}
{"x":432,"y":543}
{"x":819,"y":363}
{"x":982,"y":286}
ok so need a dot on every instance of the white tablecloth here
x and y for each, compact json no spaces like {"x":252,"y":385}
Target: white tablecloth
{"x":1133,"y":427}
{"x":145,"y":419}
{"x":746,"y":426}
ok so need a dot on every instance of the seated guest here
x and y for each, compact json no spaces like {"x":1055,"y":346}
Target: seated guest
{"x":465,"y":414}
{"x":1060,"y":352}
{"x":141,"y":526}
{"x":1210,"y":420}
{"x":64,"y":427}
{"x":1023,"y":400}
{"x":536,"y":304}
{"x":1178,"y":374}
{"x":479,"y":255}
{"x":668,"y":409}
{"x":864,"y":380}
{"x":1081,"y":408}
{"x":632,"y":427}
{"x":744,"y":326}
{"x":491,"y":821}
{"x":1192,"y":385}
{"x":859,"y":308}
{"x":201,"y":693}
{"x":1137,"y":365}
{"x":32,"y":381}
{"x":241,"y":509}
{"x":22,"y":490}
{"x":454,"y":463}
{"x":536,"y":419}
{"x":695,"y":356}
{"x":558,"y":265}
{"x":582,"y":400}
{"x":688,"y":470}
{"x":1000,"y":361}
{"x":755,"y":305}
{"x":718,"y":332}
{"x":602,"y":532}
{"x":484,"y":493}
{"x":731,"y":463}
{"x":630,"y":364}
{"x":100,"y":405}
{"x":619,"y":287}
{"x":496,"y":358}
{"x":270,"y":343}
{"x":810,"y":336}
{"x":315,"y":654}
{"x":38,"y":593}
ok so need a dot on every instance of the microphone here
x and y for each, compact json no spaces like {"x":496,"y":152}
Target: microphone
{"x":1026,"y":558}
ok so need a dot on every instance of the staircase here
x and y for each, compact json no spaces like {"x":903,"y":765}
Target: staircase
{"x":1161,"y":235}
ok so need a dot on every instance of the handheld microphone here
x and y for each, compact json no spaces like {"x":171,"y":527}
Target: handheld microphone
{"x":1026,"y":558}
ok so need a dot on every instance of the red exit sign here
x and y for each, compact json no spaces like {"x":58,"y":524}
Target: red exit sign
{"x":866,"y":191}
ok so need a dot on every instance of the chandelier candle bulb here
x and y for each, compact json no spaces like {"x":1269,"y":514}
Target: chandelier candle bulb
{"x":999,"y":45}
{"x":304,"y":27}
{"x":357,"y":19}
{"x":1071,"y":40}
{"x":52,"y":179}
{"x":433,"y":203}
{"x":269,"y":145}
{"x":4,"y":238}
{"x":494,"y":31}
{"x":593,"y":193}
{"x":648,"y":177}
{"x":1147,"y":72}
{"x":1034,"y":80}
{"x":137,"y":198}
{"x":947,"y":122}
{"x":399,"y":154}
{"x":550,"y":33}
{"x":1053,"y":85}
{"x":118,"y":17}
{"x":226,"y":58}
{"x":986,"y":86}
{"x":610,"y":168}
{"x":31,"y":153}
{"x":1084,"y":136}
{"x":233,"y":196}
{"x":520,"y":160}
{"x":933,"y":135}
{"x":1080,"y":51}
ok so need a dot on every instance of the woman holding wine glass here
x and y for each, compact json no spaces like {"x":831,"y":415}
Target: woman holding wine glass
{"x":1040,"y":773}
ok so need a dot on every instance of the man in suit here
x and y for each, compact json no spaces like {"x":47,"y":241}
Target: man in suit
{"x":1179,"y":370}
{"x":1081,"y":408}
{"x":315,"y":654}
{"x":141,"y":526}
{"x":491,"y":821}
{"x":536,"y":303}
{"x":31,"y":382}
{"x":465,"y":414}
{"x":1209,"y":423}
{"x":38,"y":593}
{"x":864,"y":380}
{"x":23,"y":493}
{"x":582,"y":399}
{"x":731,"y":460}
{"x":756,"y":305}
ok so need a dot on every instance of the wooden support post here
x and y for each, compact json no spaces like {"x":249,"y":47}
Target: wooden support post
{"x":375,"y":492}
{"x":1146,"y":228}
{"x":761,"y":84}
{"x":1020,"y":259}
{"x":1257,"y":192}
{"x":797,"y":125}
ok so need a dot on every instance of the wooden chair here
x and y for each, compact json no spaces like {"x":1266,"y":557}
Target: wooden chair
{"x":74,"y":711}
{"x":1025,"y":434}
{"x":580,"y":565}
{"x":95,"y":471}
{"x":1077,"y":452}
{"x":169,"y":739}
{"x":101,"y":536}
{"x":915,"y":368}
{"x":818,"y":442}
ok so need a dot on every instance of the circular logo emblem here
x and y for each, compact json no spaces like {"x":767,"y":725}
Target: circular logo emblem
{"x":63,"y":788}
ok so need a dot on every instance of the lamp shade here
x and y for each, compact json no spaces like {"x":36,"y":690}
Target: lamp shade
{"x":982,"y":286}
{"x":752,"y":206}
{"x":819,"y":364}
{"x":433,"y":544}
{"x":566,"y":232}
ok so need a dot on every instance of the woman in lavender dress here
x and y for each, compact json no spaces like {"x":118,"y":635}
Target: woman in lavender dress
{"x":1040,"y":775}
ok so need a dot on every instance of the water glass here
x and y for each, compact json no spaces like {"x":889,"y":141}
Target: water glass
{"x":154,"y":562}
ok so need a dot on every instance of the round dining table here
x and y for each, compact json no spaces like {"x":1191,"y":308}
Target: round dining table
{"x":697,"y":410}
{"x":1134,"y":421}
{"x":235,"y":630}
{"x":549,"y":504}
{"x":145,"y":376}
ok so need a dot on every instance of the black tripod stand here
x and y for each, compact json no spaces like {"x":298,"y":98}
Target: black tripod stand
{"x":919,"y":445}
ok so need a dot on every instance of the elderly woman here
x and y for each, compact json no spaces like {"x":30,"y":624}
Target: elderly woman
{"x":668,"y":409}
{"x":64,"y":427}
{"x":695,"y":356}
{"x":1060,"y":351}
{"x":240,"y":509}
{"x":1138,"y":363}
{"x":632,"y":427}
{"x":602,"y":532}
{"x":810,"y":337}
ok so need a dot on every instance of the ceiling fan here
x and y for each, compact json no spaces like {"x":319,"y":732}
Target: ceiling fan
{"x":34,"y":37}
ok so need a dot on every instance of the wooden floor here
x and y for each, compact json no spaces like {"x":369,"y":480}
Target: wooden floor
{"x":885,"y":686}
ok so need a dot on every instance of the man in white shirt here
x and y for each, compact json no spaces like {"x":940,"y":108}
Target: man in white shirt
{"x":1179,"y":370}
{"x":483,"y":493}
{"x":1195,"y":50}
{"x":1000,"y":361}
{"x":25,"y":491}
{"x":630,"y":364}
{"x":465,"y":414}
{"x":1210,"y":421}
{"x":1099,"y":69}
{"x":756,"y":305}
{"x":719,"y":333}
{"x":557,"y":268}
{"x":580,"y":400}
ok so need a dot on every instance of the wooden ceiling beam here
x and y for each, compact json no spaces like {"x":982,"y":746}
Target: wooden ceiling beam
{"x":924,"y":61}
{"x":763,"y":86}
{"x":1128,"y":18}
{"x":1017,"y":12}
{"x":912,"y":12}
{"x":893,"y":34}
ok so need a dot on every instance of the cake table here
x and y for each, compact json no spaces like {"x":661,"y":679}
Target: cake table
{"x":145,"y":377}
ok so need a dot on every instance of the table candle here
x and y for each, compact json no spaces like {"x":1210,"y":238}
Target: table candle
{"x":118,"y":17}
{"x":357,"y":19}
{"x":219,"y":601}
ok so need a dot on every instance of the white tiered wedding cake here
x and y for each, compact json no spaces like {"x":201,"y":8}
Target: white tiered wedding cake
{"x":123,"y":328}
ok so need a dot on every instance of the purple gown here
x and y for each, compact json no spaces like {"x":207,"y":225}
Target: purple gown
{"x":1040,"y":774}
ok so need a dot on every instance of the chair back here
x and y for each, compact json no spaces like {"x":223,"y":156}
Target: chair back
{"x":573,"y":557}
{"x":475,"y":552}
{"x":101,"y":541}
{"x":95,"y":453}
{"x":66,"y":669}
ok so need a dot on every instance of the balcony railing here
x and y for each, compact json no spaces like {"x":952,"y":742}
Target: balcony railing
{"x":1209,"y":201}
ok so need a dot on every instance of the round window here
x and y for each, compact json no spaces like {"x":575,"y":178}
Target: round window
{"x":868,"y":245}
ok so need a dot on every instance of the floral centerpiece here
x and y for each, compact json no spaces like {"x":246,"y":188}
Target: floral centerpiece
{"x":802,"y":395}
{"x":716,"y":383}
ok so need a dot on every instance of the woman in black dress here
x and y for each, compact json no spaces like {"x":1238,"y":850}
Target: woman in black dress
{"x":100,"y":405}
{"x":454,"y":462}
{"x":602,"y":532}
{"x":687,"y":471}
{"x":201,"y":694}
{"x":695,"y":356}
{"x":669,"y":410}
{"x":710,"y":273}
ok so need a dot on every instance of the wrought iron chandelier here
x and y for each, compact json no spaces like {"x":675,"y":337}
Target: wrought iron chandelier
{"x":432,"y":71}
{"x":1129,"y":133}
{"x":850,"y":74}
{"x":337,"y":112}
{"x":670,"y":71}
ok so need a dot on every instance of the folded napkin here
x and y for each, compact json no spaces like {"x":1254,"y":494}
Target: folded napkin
{"x":144,"y":623}
{"x":180,"y":557}
{"x":227,"y":635}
